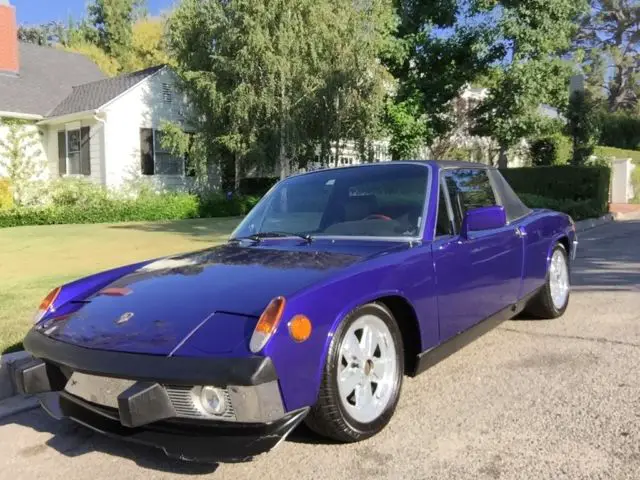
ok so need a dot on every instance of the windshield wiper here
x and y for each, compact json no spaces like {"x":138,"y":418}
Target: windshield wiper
{"x":260,"y":235}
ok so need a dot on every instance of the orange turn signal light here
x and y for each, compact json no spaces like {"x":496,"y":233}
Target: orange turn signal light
{"x":300,"y":328}
{"x":267,"y":324}
{"x":46,"y":304}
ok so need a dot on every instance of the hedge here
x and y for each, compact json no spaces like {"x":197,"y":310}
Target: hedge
{"x":578,"y":184}
{"x":620,"y":130}
{"x":149,"y":208}
{"x":256,"y":186}
{"x":579,"y":210}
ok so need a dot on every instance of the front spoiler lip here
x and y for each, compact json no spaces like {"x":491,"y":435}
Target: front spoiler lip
{"x":189,"y":441}
{"x":244,"y":371}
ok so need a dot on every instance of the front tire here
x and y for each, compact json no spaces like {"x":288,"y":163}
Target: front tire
{"x":362,"y":377}
{"x":553,"y":299}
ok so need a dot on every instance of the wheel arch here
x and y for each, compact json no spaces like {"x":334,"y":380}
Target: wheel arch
{"x":407,"y":319}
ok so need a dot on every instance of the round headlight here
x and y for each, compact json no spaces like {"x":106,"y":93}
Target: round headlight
{"x":212,"y":400}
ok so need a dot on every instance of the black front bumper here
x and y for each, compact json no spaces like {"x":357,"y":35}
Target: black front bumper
{"x":184,"y":440}
{"x":144,"y":412}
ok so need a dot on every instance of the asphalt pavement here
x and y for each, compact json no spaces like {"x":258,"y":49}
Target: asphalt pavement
{"x":530,"y":400}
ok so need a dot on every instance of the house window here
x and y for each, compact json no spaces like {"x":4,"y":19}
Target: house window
{"x":157,"y":160}
{"x":167,"y":93}
{"x":74,"y":153}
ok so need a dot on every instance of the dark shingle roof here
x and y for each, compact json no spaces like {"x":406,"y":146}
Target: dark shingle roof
{"x":91,"y":96}
{"x":46,"y":77}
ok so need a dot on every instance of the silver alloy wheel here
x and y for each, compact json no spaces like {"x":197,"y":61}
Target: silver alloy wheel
{"x":367,"y":369}
{"x":559,"y":279}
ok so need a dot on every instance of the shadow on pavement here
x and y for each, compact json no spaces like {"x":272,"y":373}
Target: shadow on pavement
{"x":609,"y":259}
{"x":73,"y":440}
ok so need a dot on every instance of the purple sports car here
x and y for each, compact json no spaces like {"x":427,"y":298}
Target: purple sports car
{"x":337,"y":284}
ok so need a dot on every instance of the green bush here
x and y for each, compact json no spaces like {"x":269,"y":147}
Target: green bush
{"x":551,"y":150}
{"x":620,"y":130}
{"x":256,"y":186}
{"x":159,"y":207}
{"x":579,"y":210}
{"x":217,"y":205}
{"x":176,"y":206}
{"x":70,"y":192}
{"x":6,"y":196}
{"x":579,"y":184}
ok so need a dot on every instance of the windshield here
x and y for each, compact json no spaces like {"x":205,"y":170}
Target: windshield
{"x":384,"y":200}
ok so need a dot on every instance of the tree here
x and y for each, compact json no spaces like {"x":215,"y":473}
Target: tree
{"x":113,"y":23}
{"x":444,"y":46}
{"x":534,"y":34}
{"x":109,"y":65}
{"x":608,"y":47}
{"x":582,"y":126}
{"x":407,"y":127}
{"x":147,"y":44}
{"x":20,"y":157}
{"x":274,"y":81}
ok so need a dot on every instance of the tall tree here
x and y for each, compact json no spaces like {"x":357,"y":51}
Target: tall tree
{"x":113,"y":22}
{"x":444,"y":46}
{"x":609,"y":48}
{"x":534,"y":34}
{"x":274,"y":80}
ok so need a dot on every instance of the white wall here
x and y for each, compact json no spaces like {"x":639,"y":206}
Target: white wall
{"x":144,"y":106}
{"x":621,"y":186}
{"x":96,"y":137}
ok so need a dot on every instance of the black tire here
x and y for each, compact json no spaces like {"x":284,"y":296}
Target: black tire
{"x":328,"y":417}
{"x":541,"y":306}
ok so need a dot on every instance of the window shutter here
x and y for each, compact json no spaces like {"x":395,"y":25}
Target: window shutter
{"x":85,"y":151}
{"x":146,"y":151}
{"x":62,"y":153}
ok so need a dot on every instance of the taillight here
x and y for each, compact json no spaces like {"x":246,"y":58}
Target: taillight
{"x":267,"y":324}
{"x":47,"y":304}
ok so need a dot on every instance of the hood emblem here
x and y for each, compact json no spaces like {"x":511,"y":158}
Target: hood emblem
{"x":124,"y":318}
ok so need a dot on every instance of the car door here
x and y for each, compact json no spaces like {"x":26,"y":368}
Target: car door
{"x":479,"y":275}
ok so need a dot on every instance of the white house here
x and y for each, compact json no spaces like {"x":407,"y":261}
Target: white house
{"x":103,"y":129}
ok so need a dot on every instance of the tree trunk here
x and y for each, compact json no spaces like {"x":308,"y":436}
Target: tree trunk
{"x":236,"y":182}
{"x":503,"y":161}
{"x":282,"y":154}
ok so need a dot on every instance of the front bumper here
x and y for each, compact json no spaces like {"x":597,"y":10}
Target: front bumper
{"x":133,"y":397}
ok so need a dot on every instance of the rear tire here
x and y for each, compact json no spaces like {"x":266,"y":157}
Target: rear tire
{"x":553,"y":298}
{"x":362,"y":377}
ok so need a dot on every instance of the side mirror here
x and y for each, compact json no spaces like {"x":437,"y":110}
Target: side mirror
{"x":485,"y":218}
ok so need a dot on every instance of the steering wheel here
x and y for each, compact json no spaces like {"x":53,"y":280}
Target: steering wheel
{"x":377,"y":216}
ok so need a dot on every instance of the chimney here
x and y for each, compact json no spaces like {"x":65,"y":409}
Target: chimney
{"x":8,"y":39}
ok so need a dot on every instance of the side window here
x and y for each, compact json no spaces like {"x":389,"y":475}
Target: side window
{"x":469,"y":188}
{"x":443,"y":226}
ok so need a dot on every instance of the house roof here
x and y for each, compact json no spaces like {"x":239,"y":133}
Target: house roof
{"x":46,"y":77}
{"x":94,"y":95}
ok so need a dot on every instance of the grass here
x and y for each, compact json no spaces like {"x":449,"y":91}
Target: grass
{"x":33,"y":260}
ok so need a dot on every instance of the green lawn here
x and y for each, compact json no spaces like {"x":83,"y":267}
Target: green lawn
{"x":33,"y":260}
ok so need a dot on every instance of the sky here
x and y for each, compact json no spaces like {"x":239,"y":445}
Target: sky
{"x":43,"y":11}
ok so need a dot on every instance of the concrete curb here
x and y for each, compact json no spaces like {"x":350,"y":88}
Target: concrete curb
{"x":8,"y":364}
{"x":10,"y":402}
{"x":590,"y":223}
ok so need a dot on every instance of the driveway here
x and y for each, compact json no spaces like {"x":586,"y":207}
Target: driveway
{"x":532,"y":399}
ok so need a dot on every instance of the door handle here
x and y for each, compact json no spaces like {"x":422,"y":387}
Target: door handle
{"x":520,"y":233}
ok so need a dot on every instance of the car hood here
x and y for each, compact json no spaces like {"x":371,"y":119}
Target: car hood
{"x":155,"y":307}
